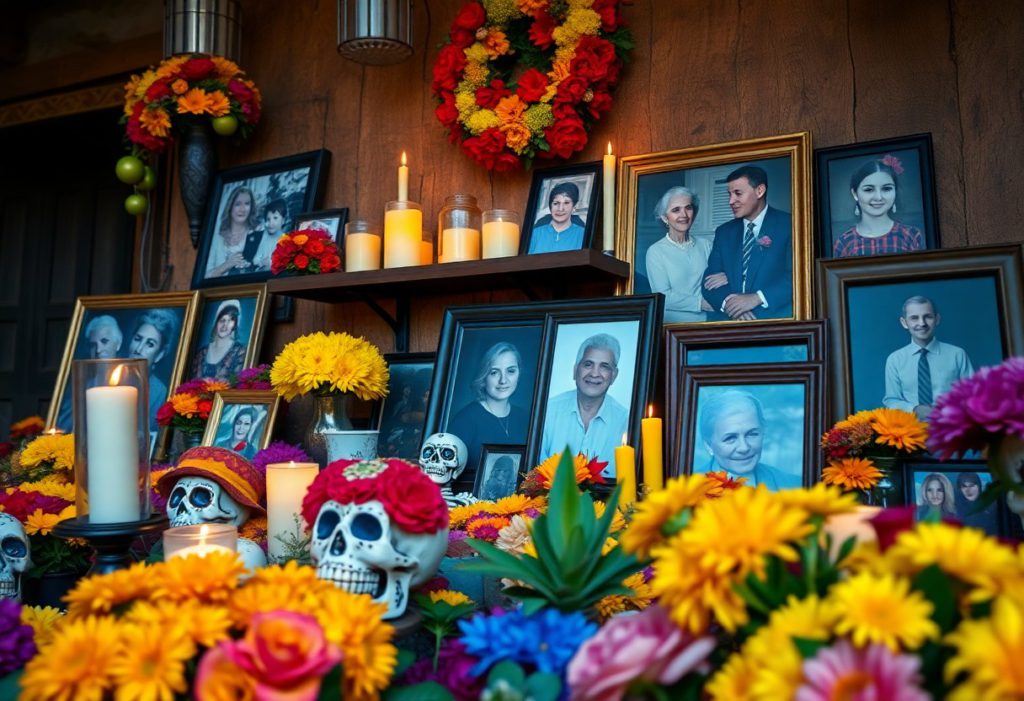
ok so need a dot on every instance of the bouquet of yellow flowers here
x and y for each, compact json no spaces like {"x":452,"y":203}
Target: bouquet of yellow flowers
{"x":326,"y":364}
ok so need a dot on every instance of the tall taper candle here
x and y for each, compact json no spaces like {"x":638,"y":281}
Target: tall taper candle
{"x":403,"y":180}
{"x":650,"y":431}
{"x":625,"y":473}
{"x":286,"y":487}
{"x":608,"y":190}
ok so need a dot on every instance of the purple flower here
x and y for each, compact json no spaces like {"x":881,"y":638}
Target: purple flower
{"x":17,"y":645}
{"x":978,"y":410}
{"x":457,"y":535}
{"x":254,"y":378}
{"x":279,"y":451}
{"x":454,"y":667}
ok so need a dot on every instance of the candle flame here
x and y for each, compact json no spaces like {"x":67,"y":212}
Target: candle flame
{"x":115,"y":377}
{"x":403,"y":157}
{"x":204,"y":533}
{"x":650,"y":411}
{"x":609,"y":148}
{"x":291,"y":463}
{"x":624,"y":436}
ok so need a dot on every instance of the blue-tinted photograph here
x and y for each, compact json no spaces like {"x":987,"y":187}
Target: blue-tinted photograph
{"x":222,"y":338}
{"x":740,"y":355}
{"x":953,"y":490}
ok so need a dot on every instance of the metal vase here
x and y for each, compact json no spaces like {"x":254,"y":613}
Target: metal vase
{"x":197,"y":163}
{"x":329,"y":414}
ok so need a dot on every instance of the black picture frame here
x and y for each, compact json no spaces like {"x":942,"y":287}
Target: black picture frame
{"x":809,"y":376}
{"x":401,"y":431}
{"x":296,"y":181}
{"x":491,"y":455}
{"x":977,"y":291}
{"x":994,"y":519}
{"x":586,"y":177}
{"x":330,"y":221}
{"x":915,"y":187}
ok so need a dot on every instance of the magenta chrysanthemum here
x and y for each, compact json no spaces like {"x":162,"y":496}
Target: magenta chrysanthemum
{"x":279,"y":451}
{"x":868,"y":674}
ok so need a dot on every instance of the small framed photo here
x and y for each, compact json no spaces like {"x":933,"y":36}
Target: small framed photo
{"x":242,"y":421}
{"x":876,"y":197}
{"x":685,"y":218}
{"x":157,"y":327}
{"x":228,"y":332}
{"x":960,"y":306}
{"x":501,"y":471}
{"x":330,"y":221}
{"x":403,"y":412}
{"x":953,"y":489}
{"x":759,"y":422}
{"x":250,"y":208}
{"x":561,"y":212}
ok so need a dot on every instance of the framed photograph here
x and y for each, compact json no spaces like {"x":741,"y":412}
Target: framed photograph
{"x":156,"y":327}
{"x":953,"y":489}
{"x":242,"y":421}
{"x":330,"y":221}
{"x":760,"y":422}
{"x":876,"y":197}
{"x":962,"y":305}
{"x":402,"y":413}
{"x":723,"y":231}
{"x":501,"y":471}
{"x":596,"y":377}
{"x":229,"y":331}
{"x":250,"y":208}
{"x":562,"y":210}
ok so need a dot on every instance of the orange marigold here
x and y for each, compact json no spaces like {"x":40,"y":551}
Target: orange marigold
{"x":852,"y":473}
{"x":185,"y":404}
{"x":156,"y":121}
{"x":195,"y":101}
{"x":899,"y":429}
{"x":218,"y":104}
{"x":719,"y":482}
{"x":179,"y":87}
{"x":510,"y":109}
{"x":517,"y":135}
{"x":496,"y":43}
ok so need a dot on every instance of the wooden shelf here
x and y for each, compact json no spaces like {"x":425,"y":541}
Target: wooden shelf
{"x":545,"y":269}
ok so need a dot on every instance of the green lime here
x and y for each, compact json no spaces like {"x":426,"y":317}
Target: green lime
{"x":130,"y":169}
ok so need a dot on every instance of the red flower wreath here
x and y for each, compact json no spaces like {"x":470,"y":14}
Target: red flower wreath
{"x":527,"y":79}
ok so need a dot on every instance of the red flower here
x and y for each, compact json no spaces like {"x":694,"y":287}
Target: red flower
{"x":566,"y":137}
{"x":488,"y":96}
{"x":601,"y":103}
{"x":506,"y":162}
{"x":410,"y":502}
{"x":165,"y":414}
{"x":448,"y":114}
{"x":205,"y":407}
{"x":6,"y":448}
{"x":240,"y":91}
{"x":138,"y":135}
{"x":593,"y":58}
{"x":314,"y":247}
{"x":532,"y":85}
{"x":197,"y":68}
{"x":330,"y":263}
{"x":301,"y":261}
{"x":484,"y":149}
{"x":470,"y":17}
{"x":542,"y":31}
{"x":450,"y":63}
{"x":158,"y":91}
{"x":607,"y":9}
{"x":572,"y":89}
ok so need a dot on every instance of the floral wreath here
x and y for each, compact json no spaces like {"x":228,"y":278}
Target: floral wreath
{"x":411,"y":500}
{"x":504,"y":116}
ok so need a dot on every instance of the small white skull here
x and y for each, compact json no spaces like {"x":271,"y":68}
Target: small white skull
{"x":15,"y":556}
{"x":196,"y":500}
{"x":357,"y":547}
{"x":443,"y":458}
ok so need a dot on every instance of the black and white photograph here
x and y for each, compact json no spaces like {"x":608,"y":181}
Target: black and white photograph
{"x":250,"y":208}
{"x":242,"y":421}
{"x":954,"y":490}
{"x":229,"y":331}
{"x":501,"y":471}
{"x":876,"y":198}
{"x":330,"y":221}
{"x":401,"y":414}
{"x":562,"y":208}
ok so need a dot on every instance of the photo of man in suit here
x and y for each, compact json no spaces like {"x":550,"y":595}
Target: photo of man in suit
{"x":750,"y":270}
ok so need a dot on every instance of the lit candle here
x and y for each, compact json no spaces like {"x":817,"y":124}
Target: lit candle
{"x":650,"y":431}
{"x":500,"y":237}
{"x":608,"y":190}
{"x":459,"y":243}
{"x":625,"y":473}
{"x":403,"y":233}
{"x":54,"y":432}
{"x":403,"y":180}
{"x":362,"y":252}
{"x":200,"y":540}
{"x":113,"y":451}
{"x":286,"y":487}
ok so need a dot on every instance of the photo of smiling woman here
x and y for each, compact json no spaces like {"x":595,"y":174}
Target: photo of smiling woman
{"x":153,"y":332}
{"x":676,"y":262}
{"x":223,"y":356}
{"x":561,"y":229}
{"x":238,"y":220}
{"x":936,"y":500}
{"x":875,"y":191}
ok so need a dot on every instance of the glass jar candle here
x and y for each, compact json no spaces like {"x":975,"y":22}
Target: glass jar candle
{"x":458,"y":229}
{"x":500,"y":233}
{"x":403,"y":234}
{"x":362,"y":247}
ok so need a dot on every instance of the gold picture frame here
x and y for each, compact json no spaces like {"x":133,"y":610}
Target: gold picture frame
{"x":644,"y":178}
{"x":253,"y":306}
{"x":262,"y":421}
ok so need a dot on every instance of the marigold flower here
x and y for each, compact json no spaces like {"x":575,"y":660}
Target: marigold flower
{"x":195,"y":101}
{"x":900,"y":429}
{"x":852,"y":473}
{"x":156,"y":121}
{"x":452,"y":598}
{"x":56,"y":450}
{"x":76,"y":664}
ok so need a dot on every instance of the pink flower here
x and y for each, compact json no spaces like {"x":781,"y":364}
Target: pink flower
{"x":645,"y":646}
{"x":764,"y":241}
{"x":894,"y":163}
{"x":283,"y":655}
{"x":871,"y":674}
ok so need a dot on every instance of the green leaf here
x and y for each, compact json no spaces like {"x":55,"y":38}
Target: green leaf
{"x":404,"y":661}
{"x":508,"y":671}
{"x":330,"y":685}
{"x":563,"y":504}
{"x":808,"y":647}
{"x":9,"y":686}
{"x":543,"y":686}
{"x":938,"y":589}
{"x":424,"y":691}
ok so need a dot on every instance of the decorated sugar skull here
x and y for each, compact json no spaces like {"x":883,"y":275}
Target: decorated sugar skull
{"x":443,"y":458}
{"x":15,"y":556}
{"x":380,"y":527}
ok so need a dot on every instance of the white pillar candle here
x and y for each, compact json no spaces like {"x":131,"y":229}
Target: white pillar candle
{"x":113,"y":453}
{"x":403,"y":180}
{"x":286,"y":487}
{"x":459,"y":243}
{"x":403,"y":232}
{"x":608,"y":190}
{"x":501,"y":239}
{"x":362,"y":252}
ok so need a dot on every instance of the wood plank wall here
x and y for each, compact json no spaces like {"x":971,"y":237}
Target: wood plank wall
{"x":703,"y":72}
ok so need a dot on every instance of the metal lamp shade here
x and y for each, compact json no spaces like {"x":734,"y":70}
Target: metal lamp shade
{"x":375,"y":32}
{"x":203,"y":27}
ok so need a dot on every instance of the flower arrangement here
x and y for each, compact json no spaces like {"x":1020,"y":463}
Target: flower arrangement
{"x":305,"y":252}
{"x":189,"y":407}
{"x":327,"y":364}
{"x":519,"y":79}
{"x":539,"y":480}
{"x":27,"y":428}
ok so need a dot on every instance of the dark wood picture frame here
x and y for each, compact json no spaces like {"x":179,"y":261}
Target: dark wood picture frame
{"x":228,"y":180}
{"x":576,"y":172}
{"x":920,"y":145}
{"x":257,"y":324}
{"x":489,"y":449}
{"x":837,"y":276}
{"x":421,"y":361}
{"x":914,"y":466}
{"x":810,"y":375}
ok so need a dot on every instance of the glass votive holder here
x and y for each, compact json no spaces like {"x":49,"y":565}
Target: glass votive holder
{"x":403,"y":233}
{"x":458,"y":230}
{"x":287,"y":483}
{"x":110,"y":402}
{"x":501,"y":233}
{"x":362,"y":247}
{"x":201,"y":540}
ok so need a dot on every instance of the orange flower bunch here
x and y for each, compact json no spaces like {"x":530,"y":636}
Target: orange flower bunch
{"x":189,"y":407}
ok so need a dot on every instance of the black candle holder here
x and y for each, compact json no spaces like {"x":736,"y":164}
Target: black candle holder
{"x":112,"y":542}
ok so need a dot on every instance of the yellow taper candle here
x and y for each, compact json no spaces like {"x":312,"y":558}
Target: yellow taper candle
{"x":625,"y":473}
{"x":650,"y":432}
{"x":608,"y":202}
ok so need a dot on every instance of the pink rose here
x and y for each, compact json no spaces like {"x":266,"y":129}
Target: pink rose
{"x":283,"y":656}
{"x":645,"y":646}
{"x":764,"y":241}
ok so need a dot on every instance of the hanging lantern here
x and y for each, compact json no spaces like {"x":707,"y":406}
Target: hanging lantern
{"x":375,"y":32}
{"x":203,"y":27}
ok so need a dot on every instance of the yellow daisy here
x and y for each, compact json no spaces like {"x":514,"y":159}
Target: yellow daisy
{"x":546,"y":470}
{"x":452,"y":598}
{"x":57,"y":450}
{"x":44,"y":621}
{"x":882,"y":609}
{"x":51,"y":486}
{"x":353,"y":623}
{"x":99,"y":594}
{"x":648,"y":525}
{"x":733,"y":681}
{"x":820,"y":500}
{"x":693,"y":594}
{"x":989,"y":652}
{"x":75,"y":665}
{"x":899,"y":429}
{"x":852,"y":473}
{"x":208,"y":579}
{"x":289,"y":574}
{"x":40,"y":523}
{"x":516,"y":504}
{"x":772,"y":650}
{"x":151,"y":662}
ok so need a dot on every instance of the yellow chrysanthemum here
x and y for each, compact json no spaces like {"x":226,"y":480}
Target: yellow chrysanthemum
{"x":860,"y":418}
{"x":156,"y":121}
{"x":617,"y":523}
{"x":55,"y":485}
{"x":733,"y":681}
{"x":331,"y":362}
{"x":578,"y":22}
{"x":852,"y":473}
{"x":207,"y":579}
{"x":458,"y":516}
{"x":195,"y":101}
{"x":819,"y":500}
{"x":989,"y":652}
{"x":465,"y":100}
{"x":204,"y":624}
{"x":900,"y":429}
{"x":639,"y":598}
{"x":882,"y":609}
{"x":452,"y":598}
{"x":773,"y":653}
{"x":57,"y":451}
{"x":353,"y":623}
{"x":44,"y":621}
{"x":965,"y":553}
{"x":538,"y":117}
{"x":476,"y":53}
{"x":150,"y":663}
{"x":515,"y":504}
{"x":75,"y":665}
{"x":40,"y":523}
{"x":647,"y":527}
{"x":99,"y":594}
